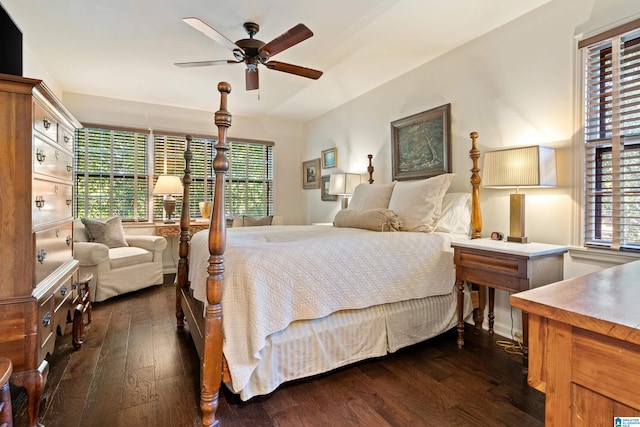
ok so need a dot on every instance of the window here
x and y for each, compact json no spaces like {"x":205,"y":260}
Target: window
{"x":249,"y":182}
{"x":612,"y":138}
{"x":111,"y":174}
{"x":116,"y":171}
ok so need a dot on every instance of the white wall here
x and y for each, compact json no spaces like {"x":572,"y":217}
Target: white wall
{"x":514,"y":86}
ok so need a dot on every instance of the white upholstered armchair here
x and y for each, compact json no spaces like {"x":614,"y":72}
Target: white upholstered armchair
{"x":119,"y":263}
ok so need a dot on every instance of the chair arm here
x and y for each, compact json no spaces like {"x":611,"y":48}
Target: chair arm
{"x":150,"y":243}
{"x":90,"y":253}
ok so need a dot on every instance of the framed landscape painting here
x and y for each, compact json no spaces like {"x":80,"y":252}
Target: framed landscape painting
{"x":421,"y":144}
{"x":324,"y":193}
{"x":311,"y":174}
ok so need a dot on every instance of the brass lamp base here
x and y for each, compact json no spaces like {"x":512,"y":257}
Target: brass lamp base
{"x":169,"y":207}
{"x":516,"y":219}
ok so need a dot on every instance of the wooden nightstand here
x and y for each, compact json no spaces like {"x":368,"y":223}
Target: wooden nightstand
{"x":508,"y":266}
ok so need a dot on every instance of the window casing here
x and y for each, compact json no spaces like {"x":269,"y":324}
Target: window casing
{"x":112,"y":176}
{"x":249,"y":181}
{"x":612,"y":139}
{"x":249,"y":188}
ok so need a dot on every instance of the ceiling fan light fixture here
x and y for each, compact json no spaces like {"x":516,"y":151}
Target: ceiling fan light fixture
{"x":254,"y":52}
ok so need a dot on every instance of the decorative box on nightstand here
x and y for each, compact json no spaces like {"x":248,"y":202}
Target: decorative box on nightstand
{"x":508,"y":266}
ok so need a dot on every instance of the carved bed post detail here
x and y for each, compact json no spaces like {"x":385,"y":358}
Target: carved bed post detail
{"x":185,"y":235}
{"x":476,"y":217}
{"x":211,"y":376}
{"x":370,"y":169}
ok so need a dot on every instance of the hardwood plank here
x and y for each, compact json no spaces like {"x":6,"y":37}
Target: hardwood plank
{"x":147,"y":373}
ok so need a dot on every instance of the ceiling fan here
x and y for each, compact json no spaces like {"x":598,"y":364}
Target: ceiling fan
{"x":253,"y":51}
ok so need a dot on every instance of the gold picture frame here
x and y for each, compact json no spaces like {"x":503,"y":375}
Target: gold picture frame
{"x":421,"y":144}
{"x":311,"y":177}
{"x":330,"y":158}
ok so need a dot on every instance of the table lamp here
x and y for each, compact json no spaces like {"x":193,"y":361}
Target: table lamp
{"x":168,"y":186}
{"x":529,"y":167}
{"x":343,"y":184}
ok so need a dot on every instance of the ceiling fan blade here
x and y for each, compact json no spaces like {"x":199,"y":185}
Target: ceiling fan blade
{"x":204,"y":28}
{"x":293,"y":69}
{"x":284,"y":41}
{"x":251,"y":77}
{"x":205,"y":63}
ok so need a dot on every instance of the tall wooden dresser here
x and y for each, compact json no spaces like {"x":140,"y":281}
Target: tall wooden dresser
{"x":38,"y":275}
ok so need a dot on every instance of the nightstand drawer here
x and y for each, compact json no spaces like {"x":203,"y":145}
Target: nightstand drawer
{"x":488,"y":277}
{"x":492,"y":262}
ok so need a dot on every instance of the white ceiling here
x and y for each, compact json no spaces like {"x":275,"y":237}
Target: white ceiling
{"x":126,"y":49}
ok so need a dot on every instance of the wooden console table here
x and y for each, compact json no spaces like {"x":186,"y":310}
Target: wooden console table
{"x":173,"y":230}
{"x":584,"y":354}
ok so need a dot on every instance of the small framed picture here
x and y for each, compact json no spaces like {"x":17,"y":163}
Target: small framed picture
{"x":311,"y":174}
{"x":330,"y":158}
{"x":324,"y":190}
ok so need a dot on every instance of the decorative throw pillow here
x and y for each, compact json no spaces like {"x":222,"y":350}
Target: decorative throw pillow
{"x":371,"y":196}
{"x":372,"y":219}
{"x":108,"y":231}
{"x":456,"y":213}
{"x":252,"y":221}
{"x":418,"y":203}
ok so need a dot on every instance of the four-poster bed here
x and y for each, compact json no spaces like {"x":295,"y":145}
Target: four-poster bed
{"x":371,"y":292}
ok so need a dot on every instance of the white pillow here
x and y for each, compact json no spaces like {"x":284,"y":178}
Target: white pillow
{"x":371,"y":196}
{"x":456,"y":213}
{"x":418,"y":203}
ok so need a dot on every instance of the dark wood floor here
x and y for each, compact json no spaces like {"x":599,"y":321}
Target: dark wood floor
{"x":136,"y":369}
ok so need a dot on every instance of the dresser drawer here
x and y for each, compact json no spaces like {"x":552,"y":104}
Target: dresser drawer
{"x":63,"y":303}
{"x":65,"y":138}
{"x":53,"y":248}
{"x":52,"y":201}
{"x":51,"y":160}
{"x":45,"y":123}
{"x":44,"y":320}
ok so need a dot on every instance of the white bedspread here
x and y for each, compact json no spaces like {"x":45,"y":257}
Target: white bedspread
{"x":275,"y":275}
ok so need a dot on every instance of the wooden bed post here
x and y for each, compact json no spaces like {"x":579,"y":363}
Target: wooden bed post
{"x":211,"y":370}
{"x":476,"y":216}
{"x":185,"y":220}
{"x":370,"y":168}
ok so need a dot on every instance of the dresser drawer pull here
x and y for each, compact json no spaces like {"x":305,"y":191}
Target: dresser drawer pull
{"x":74,"y":285}
{"x":63,"y":290}
{"x":46,"y":319}
{"x":69,"y":167}
{"x":68,"y":201}
{"x":66,"y":139}
{"x":57,"y":231}
{"x":40,"y":156}
{"x":39,"y":202}
{"x":68,"y":240}
{"x":57,"y":155}
{"x":42,"y":254}
{"x":46,"y":123}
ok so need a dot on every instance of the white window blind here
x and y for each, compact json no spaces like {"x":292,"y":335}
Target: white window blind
{"x":612,"y":139}
{"x":111,"y":174}
{"x":249,"y":181}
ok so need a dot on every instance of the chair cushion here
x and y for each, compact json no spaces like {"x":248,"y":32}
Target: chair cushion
{"x":129,"y":255}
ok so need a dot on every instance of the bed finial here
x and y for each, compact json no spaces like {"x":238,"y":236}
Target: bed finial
{"x":370,"y":168}
{"x":476,"y":217}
